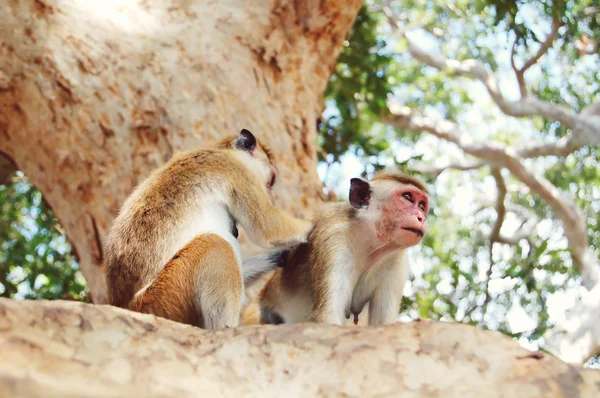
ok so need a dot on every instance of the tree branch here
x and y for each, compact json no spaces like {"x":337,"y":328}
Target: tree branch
{"x":518,"y":73}
{"x":68,"y":349}
{"x":494,"y":235}
{"x":560,"y":148}
{"x":524,"y":231}
{"x":500,"y":205}
{"x":586,"y":131}
{"x":556,"y":24}
{"x":544,"y":47}
{"x":436,"y":171}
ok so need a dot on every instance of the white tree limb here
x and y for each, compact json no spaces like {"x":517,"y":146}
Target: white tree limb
{"x":67,"y":349}
{"x":586,"y":130}
{"x":462,"y":166}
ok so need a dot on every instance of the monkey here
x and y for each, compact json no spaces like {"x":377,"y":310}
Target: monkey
{"x":172,"y":250}
{"x":355,"y":255}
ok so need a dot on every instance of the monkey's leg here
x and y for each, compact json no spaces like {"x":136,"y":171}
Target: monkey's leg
{"x":220,"y":290}
{"x":265,"y":224}
{"x":201,"y":285}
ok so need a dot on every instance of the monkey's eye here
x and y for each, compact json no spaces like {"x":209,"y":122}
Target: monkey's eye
{"x":408,"y":196}
{"x":422,"y":206}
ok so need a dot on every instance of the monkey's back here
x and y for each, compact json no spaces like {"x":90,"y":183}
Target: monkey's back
{"x":153,"y":220}
{"x":287,"y":296}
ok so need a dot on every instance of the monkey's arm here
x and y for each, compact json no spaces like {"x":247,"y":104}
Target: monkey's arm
{"x":331,"y":285}
{"x":266,"y":225}
{"x":382,"y":286}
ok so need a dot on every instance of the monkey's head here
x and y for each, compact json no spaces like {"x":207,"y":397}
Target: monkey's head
{"x":261,"y":159}
{"x":396,"y":204}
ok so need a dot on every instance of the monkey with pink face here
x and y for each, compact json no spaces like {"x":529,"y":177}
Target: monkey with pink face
{"x":355,"y":255}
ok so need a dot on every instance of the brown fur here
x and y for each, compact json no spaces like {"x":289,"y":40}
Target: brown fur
{"x":142,"y":250}
{"x":306,"y":273}
{"x":208,"y":260}
{"x":402,"y":179}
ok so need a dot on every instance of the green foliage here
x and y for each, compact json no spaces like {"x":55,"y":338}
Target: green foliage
{"x":35,"y":258}
{"x":579,"y":16}
{"x":358,"y":89}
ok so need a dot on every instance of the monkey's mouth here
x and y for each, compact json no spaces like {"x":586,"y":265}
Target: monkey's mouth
{"x":416,"y":231}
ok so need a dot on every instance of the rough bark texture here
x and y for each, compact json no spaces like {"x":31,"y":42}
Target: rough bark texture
{"x":72,"y":349}
{"x":7,"y":169}
{"x":94,"y":95}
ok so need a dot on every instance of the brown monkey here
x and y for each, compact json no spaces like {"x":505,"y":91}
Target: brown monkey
{"x":355,"y":254}
{"x":172,"y":251}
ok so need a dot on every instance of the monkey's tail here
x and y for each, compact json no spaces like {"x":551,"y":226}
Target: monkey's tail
{"x":256,"y":266}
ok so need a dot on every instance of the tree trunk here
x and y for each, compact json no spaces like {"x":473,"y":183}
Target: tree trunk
{"x":67,"y":349}
{"x":96,"y":94}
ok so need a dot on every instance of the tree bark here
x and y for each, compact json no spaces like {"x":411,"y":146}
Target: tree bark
{"x":68,"y":349}
{"x":94,"y":95}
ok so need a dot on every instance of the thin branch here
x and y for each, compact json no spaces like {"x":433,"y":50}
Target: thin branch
{"x":556,"y":24}
{"x":500,"y":205}
{"x":560,"y":148}
{"x":518,"y":73}
{"x":436,"y":171}
{"x":544,"y":47}
{"x":501,"y":214}
{"x":523,"y":232}
{"x":477,"y":70}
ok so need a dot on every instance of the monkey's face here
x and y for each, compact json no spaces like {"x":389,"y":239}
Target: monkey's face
{"x":398,"y":211}
{"x":262,"y":159}
{"x":403,"y":216}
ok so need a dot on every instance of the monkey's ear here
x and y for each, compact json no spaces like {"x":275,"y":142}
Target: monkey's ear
{"x":246,"y":141}
{"x":360,"y":193}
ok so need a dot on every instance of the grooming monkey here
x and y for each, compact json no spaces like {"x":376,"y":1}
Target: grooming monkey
{"x":356,"y":254}
{"x":172,"y":250}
